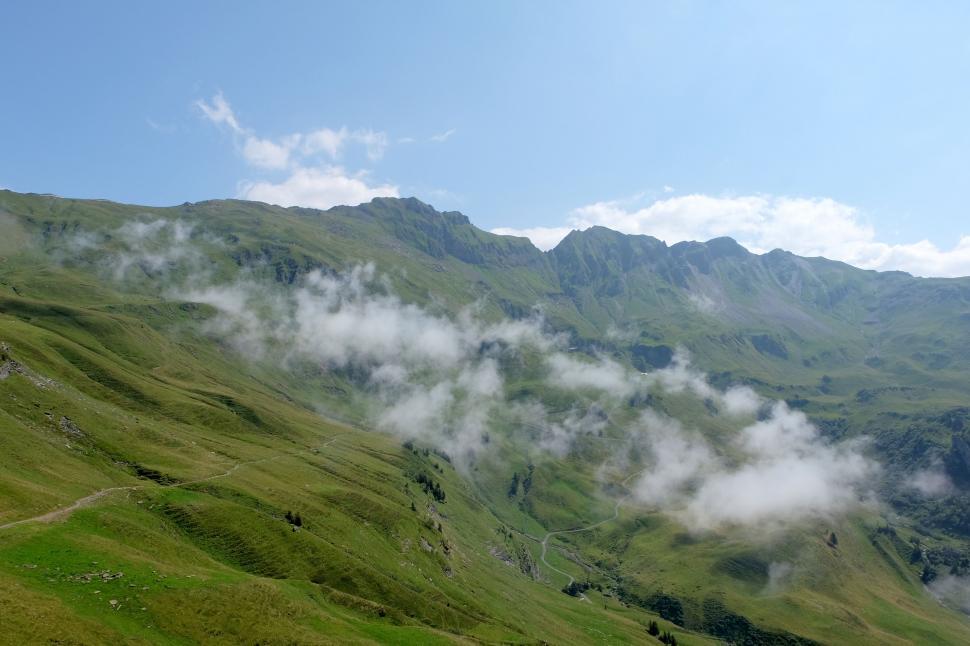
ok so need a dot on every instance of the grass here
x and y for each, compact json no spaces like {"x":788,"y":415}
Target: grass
{"x":213,"y":448}
{"x":206,"y":559}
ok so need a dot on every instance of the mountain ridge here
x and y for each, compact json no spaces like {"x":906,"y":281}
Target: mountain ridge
{"x":415,"y":204}
{"x":118,"y":378}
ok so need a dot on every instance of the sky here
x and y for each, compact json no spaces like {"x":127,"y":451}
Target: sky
{"x":835,"y":129}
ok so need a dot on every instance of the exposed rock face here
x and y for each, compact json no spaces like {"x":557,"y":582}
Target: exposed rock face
{"x":10,"y":367}
{"x":515,"y":554}
{"x":69,"y":427}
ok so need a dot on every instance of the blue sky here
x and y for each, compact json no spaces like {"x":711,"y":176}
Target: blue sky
{"x":840,"y":129}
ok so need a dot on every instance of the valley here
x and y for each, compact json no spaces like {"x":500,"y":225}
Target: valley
{"x":751,"y":449}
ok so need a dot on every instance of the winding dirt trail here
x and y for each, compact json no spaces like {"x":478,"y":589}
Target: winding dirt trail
{"x":51,"y":516}
{"x":90,"y":499}
{"x":545,"y":540}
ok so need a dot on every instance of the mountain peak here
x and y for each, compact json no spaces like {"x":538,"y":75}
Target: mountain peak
{"x":441,"y":233}
{"x":414,"y":206}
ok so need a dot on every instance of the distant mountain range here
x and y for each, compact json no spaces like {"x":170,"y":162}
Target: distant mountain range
{"x":121,"y":395}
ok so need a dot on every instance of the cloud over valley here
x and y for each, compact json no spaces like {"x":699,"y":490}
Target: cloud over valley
{"x":466,"y":384}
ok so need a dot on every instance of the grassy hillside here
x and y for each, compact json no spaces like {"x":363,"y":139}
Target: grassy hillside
{"x":196,"y":489}
{"x":148,"y":466}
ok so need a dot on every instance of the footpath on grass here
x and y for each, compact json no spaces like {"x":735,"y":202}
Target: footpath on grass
{"x":544,"y":542}
{"x":90,"y":499}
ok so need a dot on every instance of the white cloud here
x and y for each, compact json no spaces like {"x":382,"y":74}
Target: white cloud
{"x":740,"y":400}
{"x":309,"y":182}
{"x":952,"y":591}
{"x":430,"y":376}
{"x":787,"y":473}
{"x":931,"y":483}
{"x":443,"y":136}
{"x":325,"y":140}
{"x":441,"y":380}
{"x":319,"y":188}
{"x":264,"y":153}
{"x":219,"y":112}
{"x":148,"y":247}
{"x":374,"y":142}
{"x":679,"y":459}
{"x":779,"y":575}
{"x":543,"y":237}
{"x":805,"y":226}
{"x":774,"y":471}
{"x":604,"y":375}
{"x":332,"y":142}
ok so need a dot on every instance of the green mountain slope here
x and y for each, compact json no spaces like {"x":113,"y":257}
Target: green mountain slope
{"x":136,"y":441}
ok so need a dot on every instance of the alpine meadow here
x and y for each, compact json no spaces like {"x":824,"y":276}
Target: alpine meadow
{"x":547,"y":322}
{"x":229,"y":421}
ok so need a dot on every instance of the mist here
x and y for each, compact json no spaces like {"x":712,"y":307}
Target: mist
{"x":931,"y":482}
{"x":772,"y":473}
{"x":952,"y":591}
{"x":443,"y":381}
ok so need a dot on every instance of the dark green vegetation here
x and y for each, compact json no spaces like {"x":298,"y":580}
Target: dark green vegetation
{"x":193,"y":462}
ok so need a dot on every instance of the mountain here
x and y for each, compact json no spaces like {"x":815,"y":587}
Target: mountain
{"x":166,"y":419}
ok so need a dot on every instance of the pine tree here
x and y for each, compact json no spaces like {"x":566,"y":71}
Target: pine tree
{"x":917,"y":554}
{"x":653,"y":629}
{"x":527,"y":482}
{"x":514,"y":487}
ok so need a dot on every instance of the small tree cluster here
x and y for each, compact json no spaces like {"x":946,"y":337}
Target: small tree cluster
{"x":575,"y":588}
{"x":527,"y":481}
{"x":514,"y":486}
{"x":916,"y":555}
{"x":294,"y":519}
{"x":430,"y":486}
{"x":524,"y":481}
{"x":960,"y":567}
{"x":665,"y":637}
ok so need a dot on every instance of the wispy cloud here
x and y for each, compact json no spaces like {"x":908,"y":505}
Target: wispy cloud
{"x":931,"y":482}
{"x":443,"y":136}
{"x":444,"y":380}
{"x":374,"y":142}
{"x":325,"y":140}
{"x":313,"y":178}
{"x":952,"y":591}
{"x":219,"y":112}
{"x":165,"y":128}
